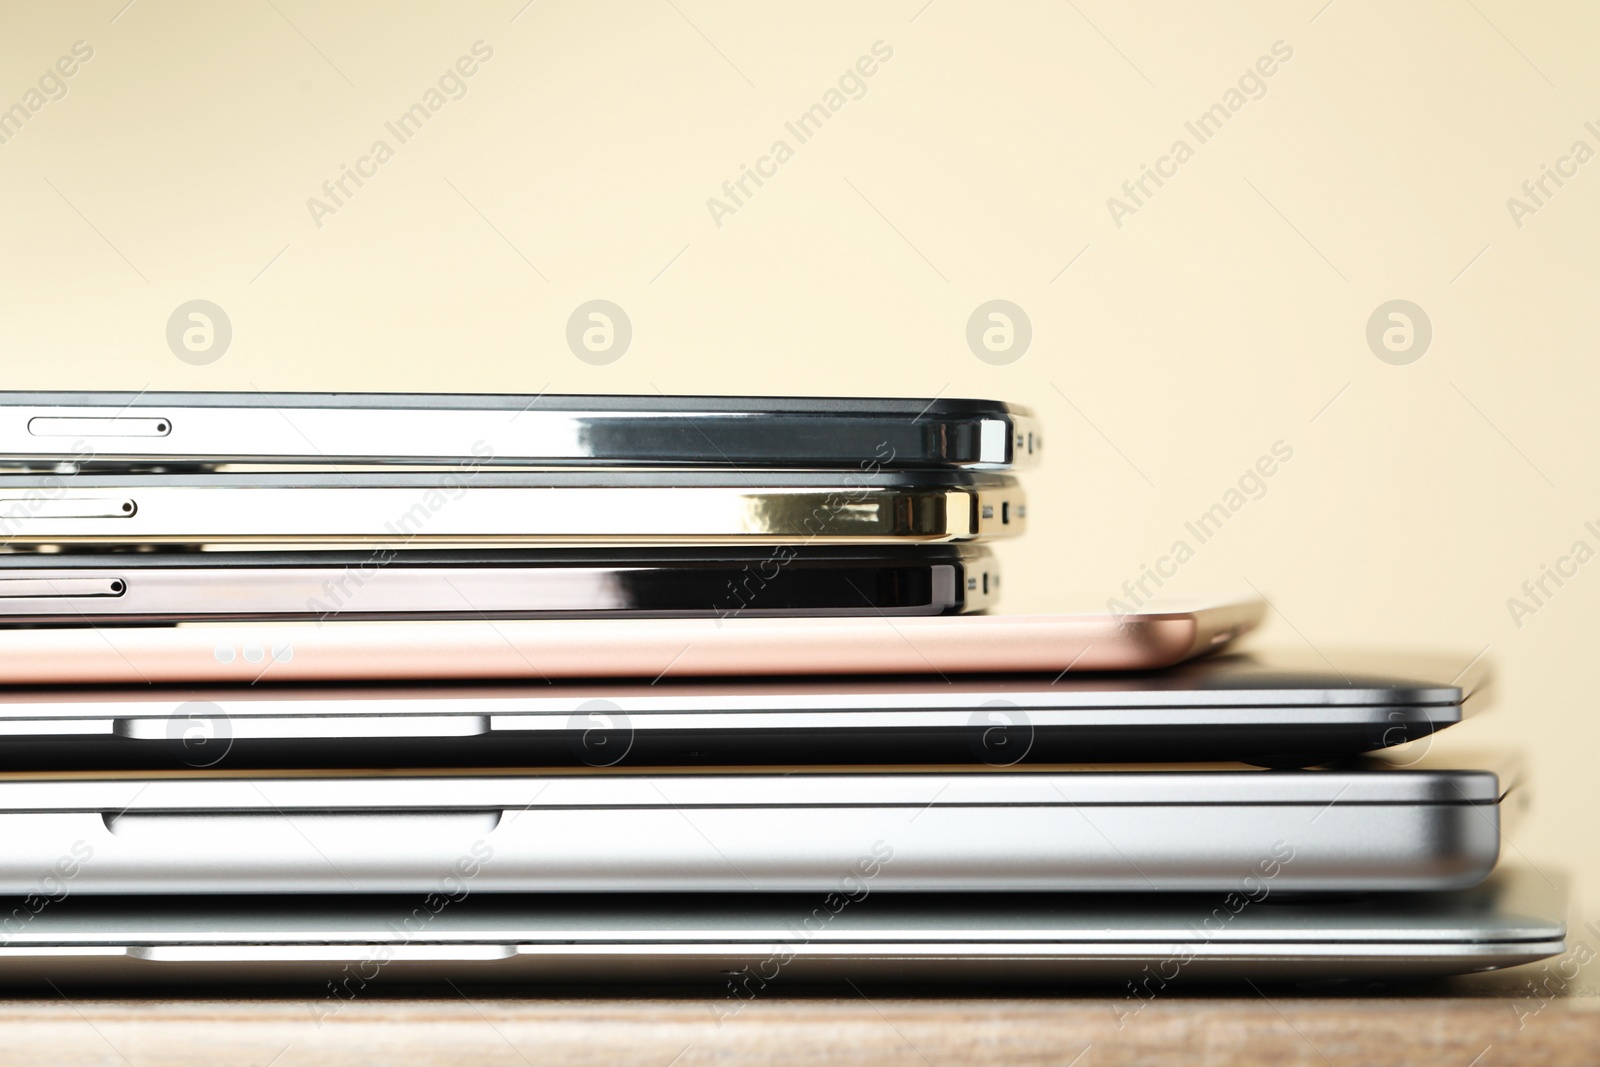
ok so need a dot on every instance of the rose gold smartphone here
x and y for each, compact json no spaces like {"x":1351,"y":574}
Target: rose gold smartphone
{"x":1156,"y":636}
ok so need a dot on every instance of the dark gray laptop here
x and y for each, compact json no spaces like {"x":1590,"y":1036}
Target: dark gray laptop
{"x":1267,"y":707}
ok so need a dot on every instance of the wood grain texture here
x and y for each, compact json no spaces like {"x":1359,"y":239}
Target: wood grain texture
{"x":1243,"y":1030}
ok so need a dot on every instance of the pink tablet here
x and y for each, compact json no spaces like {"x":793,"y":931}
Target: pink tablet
{"x":1156,"y":636}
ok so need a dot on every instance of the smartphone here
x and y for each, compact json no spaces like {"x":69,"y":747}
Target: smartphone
{"x":477,"y":507}
{"x":199,"y":430}
{"x":115,"y":588}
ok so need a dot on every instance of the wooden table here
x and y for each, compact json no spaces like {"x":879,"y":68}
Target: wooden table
{"x":1478,"y":1022}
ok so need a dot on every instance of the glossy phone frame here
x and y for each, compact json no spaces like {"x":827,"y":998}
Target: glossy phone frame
{"x":200,"y":430}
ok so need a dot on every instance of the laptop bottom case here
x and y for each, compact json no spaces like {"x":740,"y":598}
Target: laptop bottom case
{"x":743,"y":945}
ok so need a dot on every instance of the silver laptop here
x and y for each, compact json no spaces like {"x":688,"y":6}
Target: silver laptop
{"x":1364,"y":826}
{"x":743,"y":946}
{"x":1272,"y":707}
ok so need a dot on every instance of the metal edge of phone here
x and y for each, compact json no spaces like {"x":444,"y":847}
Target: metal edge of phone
{"x":488,"y":508}
{"x":154,"y":587}
{"x":196,"y":431}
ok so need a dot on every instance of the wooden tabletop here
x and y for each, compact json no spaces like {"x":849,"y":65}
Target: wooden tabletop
{"x":1466,"y":1023}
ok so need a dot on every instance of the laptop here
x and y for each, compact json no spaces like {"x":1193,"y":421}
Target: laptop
{"x":737,"y":947}
{"x":1366,"y":825}
{"x":1277,"y":707}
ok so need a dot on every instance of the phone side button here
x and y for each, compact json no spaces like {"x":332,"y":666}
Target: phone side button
{"x":20,"y":509}
{"x":90,"y":426}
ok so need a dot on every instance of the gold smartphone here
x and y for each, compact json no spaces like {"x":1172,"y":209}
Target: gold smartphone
{"x":472,"y":506}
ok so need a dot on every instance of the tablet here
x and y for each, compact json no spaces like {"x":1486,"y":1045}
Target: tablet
{"x":651,"y":649}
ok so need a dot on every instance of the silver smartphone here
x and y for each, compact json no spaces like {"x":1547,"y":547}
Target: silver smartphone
{"x":200,"y":430}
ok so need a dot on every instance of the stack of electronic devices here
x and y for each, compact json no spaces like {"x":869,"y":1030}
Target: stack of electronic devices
{"x":361,"y":689}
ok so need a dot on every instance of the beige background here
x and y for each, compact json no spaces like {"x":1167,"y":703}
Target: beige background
{"x":1228,"y":313}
